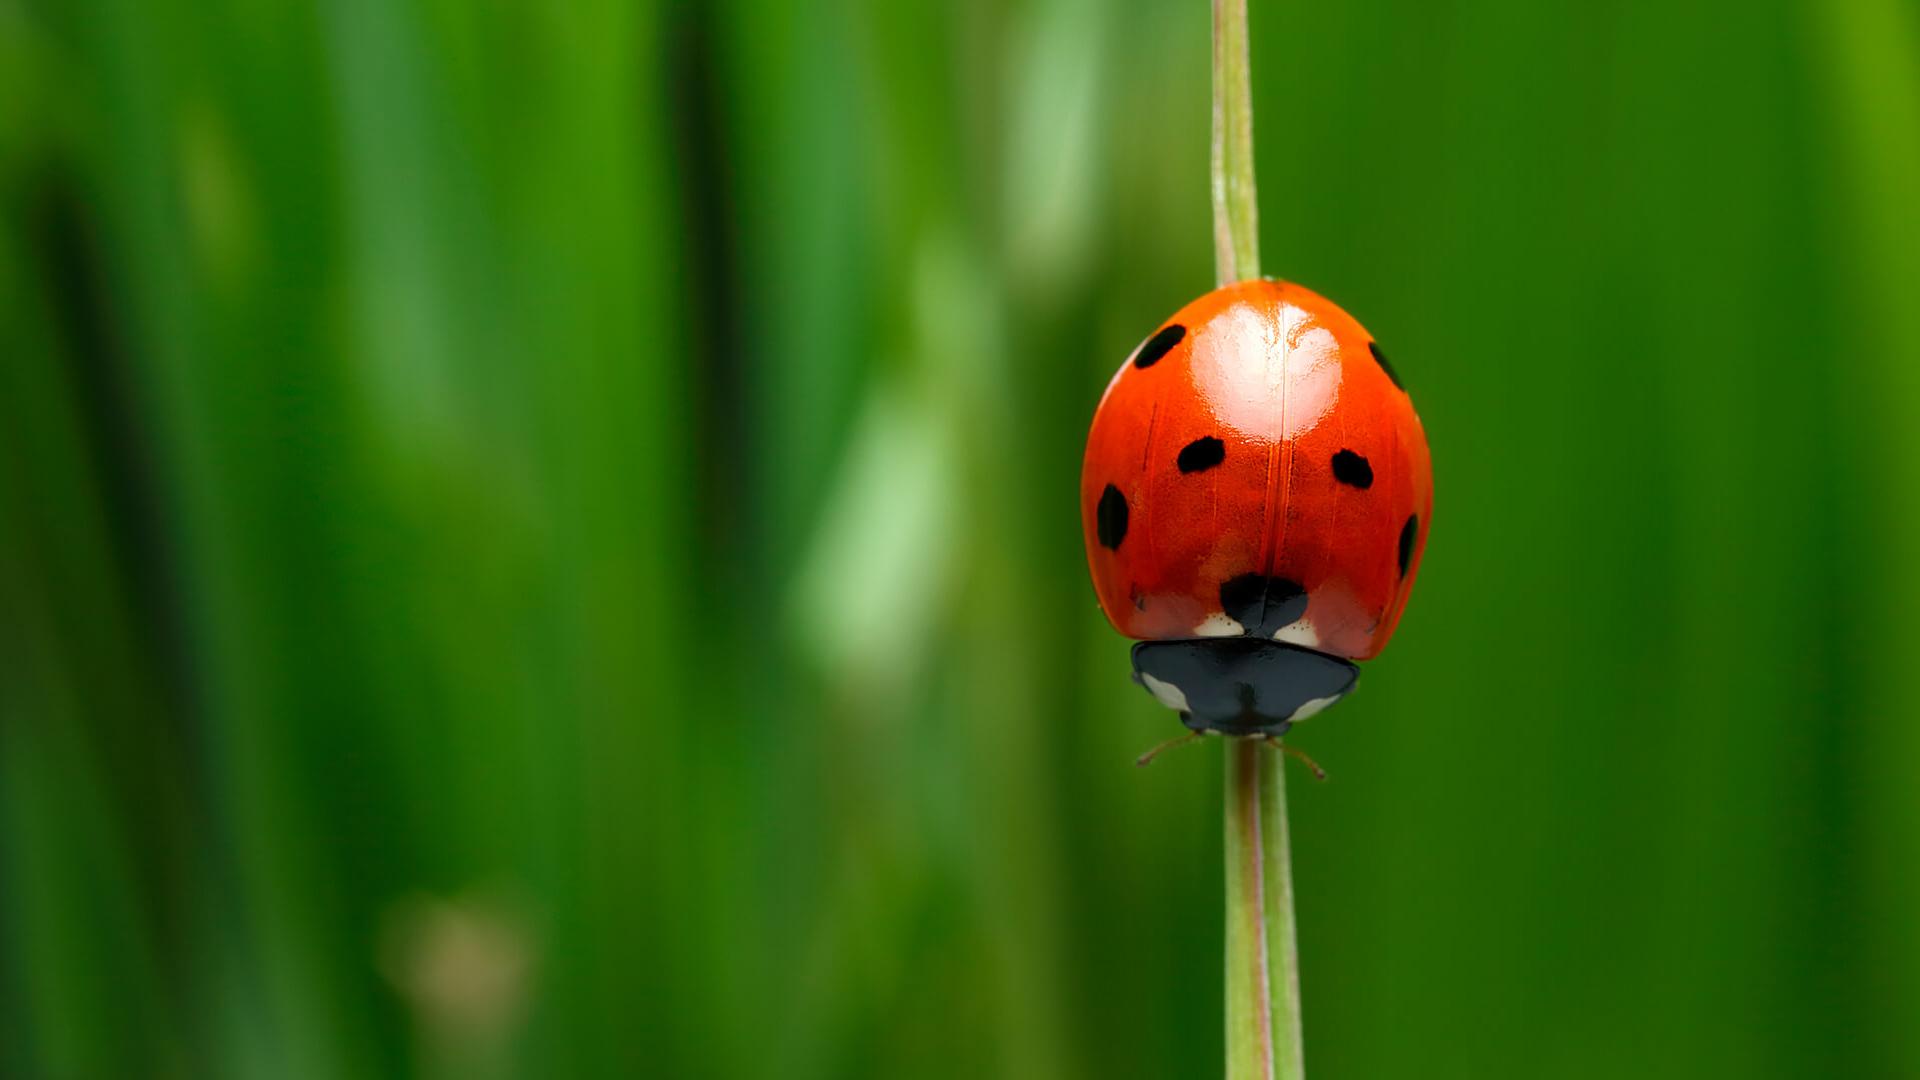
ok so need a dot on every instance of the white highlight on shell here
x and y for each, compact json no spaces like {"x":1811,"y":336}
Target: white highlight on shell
{"x":1218,"y":625}
{"x":1311,"y":707}
{"x":1300,"y":632}
{"x":1239,"y":361}
{"x":1268,"y":379}
{"x":1169,"y":694}
{"x":1313,"y":375}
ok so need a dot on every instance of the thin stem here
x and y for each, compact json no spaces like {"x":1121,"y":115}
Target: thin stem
{"x":1263,"y":981}
{"x":1250,"y":1050}
{"x":1263,"y":966}
{"x":1236,"y":207}
{"x":1283,"y":941}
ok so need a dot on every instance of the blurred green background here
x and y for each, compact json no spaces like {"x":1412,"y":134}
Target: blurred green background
{"x":540,"y":539}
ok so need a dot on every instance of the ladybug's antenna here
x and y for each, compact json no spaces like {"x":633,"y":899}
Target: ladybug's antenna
{"x":1146,"y":759}
{"x":1295,"y":752}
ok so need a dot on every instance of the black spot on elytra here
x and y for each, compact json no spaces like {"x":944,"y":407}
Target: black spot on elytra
{"x":1110,"y":518}
{"x":1262,"y":604}
{"x":1407,"y":532}
{"x":1201,"y":454}
{"x":1374,"y":348}
{"x":1351,"y":469}
{"x":1159,"y":345}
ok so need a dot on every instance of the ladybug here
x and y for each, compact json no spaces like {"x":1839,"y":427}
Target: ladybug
{"x":1255,"y":498}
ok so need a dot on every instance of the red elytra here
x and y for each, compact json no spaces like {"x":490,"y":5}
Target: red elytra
{"x":1255,"y":452}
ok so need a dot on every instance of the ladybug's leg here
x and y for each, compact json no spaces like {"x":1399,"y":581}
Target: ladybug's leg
{"x":1295,"y":752}
{"x":1179,"y":740}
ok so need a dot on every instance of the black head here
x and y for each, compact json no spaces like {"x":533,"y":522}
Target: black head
{"x":1241,"y":685}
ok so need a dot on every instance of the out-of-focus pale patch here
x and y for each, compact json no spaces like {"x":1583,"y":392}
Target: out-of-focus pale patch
{"x":1052,"y":145}
{"x":1218,"y":625}
{"x":875,"y":573}
{"x":465,"y":966}
{"x":217,"y":194}
{"x":1300,"y":632}
{"x":1267,"y":380}
{"x":1311,"y":707}
{"x":1170,"y":695}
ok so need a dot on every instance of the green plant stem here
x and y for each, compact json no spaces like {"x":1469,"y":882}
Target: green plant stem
{"x":1263,"y":980}
{"x":1263,"y":968}
{"x":1236,"y":206}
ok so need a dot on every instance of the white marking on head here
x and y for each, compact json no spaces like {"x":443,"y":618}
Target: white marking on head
{"x":1312,"y":707}
{"x":1218,"y":625}
{"x":1300,"y":632}
{"x":1169,"y":694}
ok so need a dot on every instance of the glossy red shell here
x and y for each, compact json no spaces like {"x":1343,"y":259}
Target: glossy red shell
{"x":1286,"y":381}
